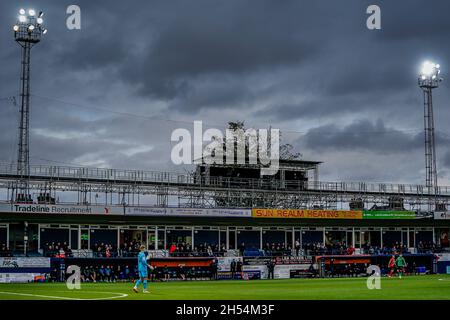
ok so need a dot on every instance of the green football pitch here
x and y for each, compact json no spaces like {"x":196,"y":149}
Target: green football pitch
{"x":417,"y":287}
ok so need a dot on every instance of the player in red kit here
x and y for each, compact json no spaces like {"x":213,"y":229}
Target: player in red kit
{"x":391,"y":265}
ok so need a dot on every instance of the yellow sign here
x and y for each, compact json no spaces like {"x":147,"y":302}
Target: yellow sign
{"x":306,"y":214}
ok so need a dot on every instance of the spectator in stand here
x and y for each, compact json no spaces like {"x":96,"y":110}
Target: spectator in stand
{"x":4,"y":252}
{"x":172,"y":248}
{"x":350,"y":250}
{"x":69,"y":252}
{"x":242,"y":249}
{"x":124,"y":250}
{"x":61,"y":254}
{"x":297,"y":247}
{"x":99,"y":250}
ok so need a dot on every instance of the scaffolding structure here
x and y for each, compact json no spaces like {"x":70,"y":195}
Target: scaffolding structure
{"x":84,"y":186}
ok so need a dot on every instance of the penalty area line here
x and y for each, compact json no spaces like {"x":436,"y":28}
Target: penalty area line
{"x":38,"y":295}
{"x":117,"y":295}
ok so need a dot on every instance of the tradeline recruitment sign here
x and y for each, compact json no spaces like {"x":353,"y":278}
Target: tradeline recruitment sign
{"x":59,"y":209}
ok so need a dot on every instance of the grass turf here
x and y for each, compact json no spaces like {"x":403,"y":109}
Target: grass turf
{"x":413,"y":287}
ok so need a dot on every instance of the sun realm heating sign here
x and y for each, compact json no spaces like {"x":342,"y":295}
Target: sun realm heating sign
{"x":331,"y":214}
{"x":306,"y":214}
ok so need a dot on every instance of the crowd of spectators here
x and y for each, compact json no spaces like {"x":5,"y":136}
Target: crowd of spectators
{"x":129,"y":249}
{"x":180,"y":249}
{"x":209,"y":250}
{"x":183,"y":249}
{"x":341,"y":248}
{"x":393,"y":248}
{"x":57,"y":250}
{"x":336,"y":248}
{"x":314,"y":249}
{"x":277,"y":249}
{"x":388,"y":249}
{"x":427,"y":247}
{"x":104,"y":250}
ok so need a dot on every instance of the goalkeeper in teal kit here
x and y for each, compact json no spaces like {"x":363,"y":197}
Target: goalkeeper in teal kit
{"x":143,"y":271}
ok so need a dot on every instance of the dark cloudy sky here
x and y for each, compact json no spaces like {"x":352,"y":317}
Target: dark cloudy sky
{"x":110,"y":94}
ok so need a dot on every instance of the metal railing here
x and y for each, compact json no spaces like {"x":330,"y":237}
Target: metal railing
{"x":139,"y":176}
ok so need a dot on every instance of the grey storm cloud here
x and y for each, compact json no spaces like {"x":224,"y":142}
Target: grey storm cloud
{"x":364,"y":135}
{"x":111,"y":93}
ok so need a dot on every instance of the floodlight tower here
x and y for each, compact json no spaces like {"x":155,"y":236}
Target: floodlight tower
{"x":429,"y":79}
{"x":28,"y":31}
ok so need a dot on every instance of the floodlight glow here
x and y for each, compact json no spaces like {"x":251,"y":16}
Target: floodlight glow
{"x":41,"y":14}
{"x":427,"y":68}
{"x":40,"y":20}
{"x":430,"y":70}
{"x":16,"y":28}
{"x":45,"y":31}
{"x":31,"y":12}
{"x":22,"y":19}
{"x":31,"y":27}
{"x":22,"y":11}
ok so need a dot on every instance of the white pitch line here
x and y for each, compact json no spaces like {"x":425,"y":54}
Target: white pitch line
{"x":118,"y":295}
{"x":38,"y":295}
{"x":121,"y":295}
